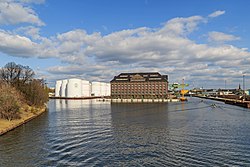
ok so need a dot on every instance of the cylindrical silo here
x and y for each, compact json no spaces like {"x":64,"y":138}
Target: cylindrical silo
{"x":58,"y":88}
{"x":85,"y":88}
{"x":74,"y":88}
{"x":96,"y":89}
{"x":90,"y":88}
{"x":103,"y":88}
{"x":63,"y":88}
{"x":108,"y":92}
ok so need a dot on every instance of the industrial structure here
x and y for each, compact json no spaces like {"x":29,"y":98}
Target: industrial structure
{"x":150,"y":85}
{"x":77,"y":88}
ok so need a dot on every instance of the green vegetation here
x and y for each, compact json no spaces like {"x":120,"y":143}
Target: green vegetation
{"x":18,"y":88}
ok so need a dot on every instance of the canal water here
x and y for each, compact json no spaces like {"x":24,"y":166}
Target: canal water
{"x":98,"y":133}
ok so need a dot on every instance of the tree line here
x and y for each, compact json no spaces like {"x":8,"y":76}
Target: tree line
{"x":18,"y":87}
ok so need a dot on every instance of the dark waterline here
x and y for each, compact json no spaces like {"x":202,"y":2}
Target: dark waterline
{"x":96,"y":133}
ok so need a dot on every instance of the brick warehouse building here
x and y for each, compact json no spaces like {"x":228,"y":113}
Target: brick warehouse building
{"x":139,"y":86}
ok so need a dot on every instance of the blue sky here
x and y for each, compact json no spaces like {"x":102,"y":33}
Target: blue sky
{"x":205,"y":42}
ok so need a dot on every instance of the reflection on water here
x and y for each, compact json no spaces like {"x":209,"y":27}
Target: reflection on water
{"x":71,"y":104}
{"x":97,"y":133}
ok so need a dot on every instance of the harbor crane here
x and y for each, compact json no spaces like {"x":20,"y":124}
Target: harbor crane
{"x":175,"y":86}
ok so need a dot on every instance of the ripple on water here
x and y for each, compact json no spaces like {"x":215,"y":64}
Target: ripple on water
{"x":89,"y":133}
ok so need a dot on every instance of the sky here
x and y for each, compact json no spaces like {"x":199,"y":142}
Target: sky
{"x":206,"y":42}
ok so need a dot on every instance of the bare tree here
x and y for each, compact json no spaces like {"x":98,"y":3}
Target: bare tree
{"x":10,"y":72}
{"x":27,"y":74}
{"x":18,"y":87}
{"x":36,"y":93}
{"x":15,"y":74}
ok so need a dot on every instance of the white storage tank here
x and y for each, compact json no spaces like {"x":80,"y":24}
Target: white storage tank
{"x":58,"y":88}
{"x":90,"y":88}
{"x":96,"y":89}
{"x":85,"y":88}
{"x":108,"y":93}
{"x":63,"y":88}
{"x":74,"y":88}
{"x":103,"y":89}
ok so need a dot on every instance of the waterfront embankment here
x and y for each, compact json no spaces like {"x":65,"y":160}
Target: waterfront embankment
{"x":143,"y":100}
{"x":232,"y":101}
{"x":80,"y":98}
{"x":27,"y":113}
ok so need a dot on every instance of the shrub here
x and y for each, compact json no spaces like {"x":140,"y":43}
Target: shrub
{"x":18,"y":87}
{"x":10,"y":102}
{"x":35,"y":93}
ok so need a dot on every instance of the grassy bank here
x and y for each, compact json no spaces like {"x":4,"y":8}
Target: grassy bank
{"x":27,"y":113}
{"x":22,"y":96}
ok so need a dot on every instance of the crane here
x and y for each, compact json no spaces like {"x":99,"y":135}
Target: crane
{"x":183,"y":91}
{"x":175,"y":86}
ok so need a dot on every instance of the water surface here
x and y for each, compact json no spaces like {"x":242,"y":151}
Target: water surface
{"x":97,"y":133}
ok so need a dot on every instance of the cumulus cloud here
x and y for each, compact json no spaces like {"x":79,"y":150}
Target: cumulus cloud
{"x":30,"y":31}
{"x":217,"y":13}
{"x":13,"y":12}
{"x":16,"y":45}
{"x":221,"y":37}
{"x":32,"y":1}
{"x":167,"y":49}
{"x":182,"y":26}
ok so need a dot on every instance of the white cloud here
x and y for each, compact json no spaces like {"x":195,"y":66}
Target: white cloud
{"x":30,"y":31}
{"x":16,"y":45}
{"x":14,"y":13}
{"x":221,"y":37}
{"x":32,"y":1}
{"x":79,"y":35}
{"x":166,"y":49}
{"x":182,"y":26}
{"x":217,"y":13}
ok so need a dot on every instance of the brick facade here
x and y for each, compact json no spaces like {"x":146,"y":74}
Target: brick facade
{"x":139,"y":86}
